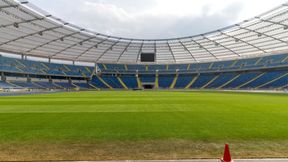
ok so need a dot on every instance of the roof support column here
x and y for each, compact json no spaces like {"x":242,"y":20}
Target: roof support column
{"x":3,"y":77}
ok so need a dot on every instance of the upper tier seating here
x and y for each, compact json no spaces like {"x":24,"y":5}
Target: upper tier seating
{"x":250,"y":63}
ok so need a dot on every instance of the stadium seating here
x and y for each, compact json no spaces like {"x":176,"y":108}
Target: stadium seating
{"x":267,"y":72}
{"x":202,"y":81}
{"x":266,"y":77}
{"x":5,"y":85}
{"x":65,"y":85}
{"x":130,"y":81}
{"x":242,"y":79}
{"x":112,"y":81}
{"x":40,"y":68}
{"x":84,"y":86}
{"x":165,"y":81}
{"x":147,"y":78}
{"x":47,"y":85}
{"x":279,"y":83}
{"x":183,"y":81}
{"x":244,"y":64}
{"x":221,"y":80}
{"x":98,"y":82}
{"x":24,"y":84}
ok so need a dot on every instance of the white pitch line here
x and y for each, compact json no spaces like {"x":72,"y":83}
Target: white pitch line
{"x":206,"y":160}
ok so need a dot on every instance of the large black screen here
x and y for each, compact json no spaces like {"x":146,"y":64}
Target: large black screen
{"x":148,"y":57}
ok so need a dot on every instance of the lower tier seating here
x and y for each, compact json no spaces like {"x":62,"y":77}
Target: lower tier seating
{"x":271,"y":79}
{"x":257,"y":79}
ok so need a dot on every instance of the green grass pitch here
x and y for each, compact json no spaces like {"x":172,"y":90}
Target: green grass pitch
{"x":142,"y":125}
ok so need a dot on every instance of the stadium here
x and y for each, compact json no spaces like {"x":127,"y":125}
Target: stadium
{"x":100,"y":97}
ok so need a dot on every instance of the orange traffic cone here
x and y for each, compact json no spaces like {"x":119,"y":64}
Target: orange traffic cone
{"x":227,"y":156}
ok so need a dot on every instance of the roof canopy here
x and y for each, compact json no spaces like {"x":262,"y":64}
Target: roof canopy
{"x":27,"y":30}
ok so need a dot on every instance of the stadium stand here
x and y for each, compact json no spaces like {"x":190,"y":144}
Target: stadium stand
{"x":165,"y":82}
{"x":269,"y":72}
{"x":227,"y":58}
{"x":130,"y":81}
{"x":5,"y":85}
{"x":251,"y":63}
{"x":47,"y":85}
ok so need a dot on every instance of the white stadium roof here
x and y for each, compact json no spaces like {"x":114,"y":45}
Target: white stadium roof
{"x":30,"y":31}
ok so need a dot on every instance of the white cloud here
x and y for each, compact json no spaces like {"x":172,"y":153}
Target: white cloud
{"x":155,"y":18}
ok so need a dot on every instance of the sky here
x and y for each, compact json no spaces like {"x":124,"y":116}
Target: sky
{"x":155,"y":19}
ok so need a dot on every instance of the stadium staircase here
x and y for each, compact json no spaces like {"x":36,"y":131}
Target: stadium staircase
{"x":19,"y":69}
{"x":285,"y":60}
{"x":233,"y":64}
{"x":65,"y":74}
{"x":139,"y":83}
{"x":88,"y":70}
{"x":105,"y":83}
{"x":188,"y":67}
{"x":126,"y":67}
{"x":122,"y":83}
{"x":66,"y":67}
{"x":211,"y":81}
{"x":192,"y":81}
{"x":258,"y":61}
{"x":93,"y":86}
{"x":242,"y":85}
{"x":210,"y":66}
{"x":20,"y":63}
{"x":38,"y":85}
{"x":43,"y":71}
{"x":58,"y":86}
{"x":94,"y":72}
{"x":104,"y":66}
{"x":12,"y":84}
{"x":167,"y":67}
{"x":45,"y":66}
{"x":233,"y":79}
{"x":274,"y":80}
{"x":83,"y":74}
{"x":75,"y":85}
{"x":283,"y":87}
{"x":172,"y":86}
{"x":156,"y":81}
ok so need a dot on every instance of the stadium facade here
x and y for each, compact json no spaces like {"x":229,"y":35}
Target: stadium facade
{"x":250,"y":55}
